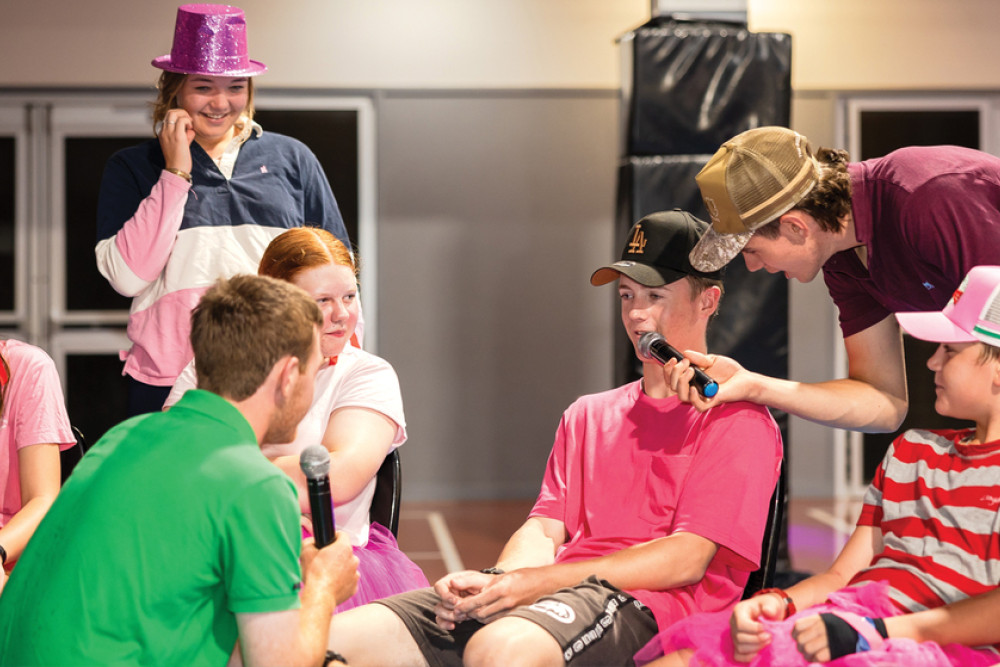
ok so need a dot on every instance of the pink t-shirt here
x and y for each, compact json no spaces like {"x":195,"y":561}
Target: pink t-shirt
{"x":33,"y":413}
{"x":626,"y":469}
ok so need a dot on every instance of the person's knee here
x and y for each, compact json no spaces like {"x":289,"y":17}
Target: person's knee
{"x":512,"y":641}
{"x":373,"y":635}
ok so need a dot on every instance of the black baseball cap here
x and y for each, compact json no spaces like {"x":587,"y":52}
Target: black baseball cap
{"x":657,"y":250}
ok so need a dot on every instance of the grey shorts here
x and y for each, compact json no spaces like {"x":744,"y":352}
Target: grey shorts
{"x":593,"y":622}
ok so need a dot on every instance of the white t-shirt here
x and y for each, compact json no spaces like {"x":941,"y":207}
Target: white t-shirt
{"x":358,"y":379}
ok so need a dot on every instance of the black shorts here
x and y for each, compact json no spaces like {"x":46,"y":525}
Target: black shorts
{"x":593,"y":622}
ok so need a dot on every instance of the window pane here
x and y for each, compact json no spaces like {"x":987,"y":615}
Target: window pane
{"x":97,"y":397}
{"x":884,"y":131}
{"x":86,"y":288}
{"x":920,"y":383}
{"x":333,"y":136}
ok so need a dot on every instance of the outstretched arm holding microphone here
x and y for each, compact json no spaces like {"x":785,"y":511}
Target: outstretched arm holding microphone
{"x":792,"y":210}
{"x":875,"y":386}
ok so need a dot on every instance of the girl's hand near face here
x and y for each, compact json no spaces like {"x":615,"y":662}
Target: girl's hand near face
{"x":176,"y":136}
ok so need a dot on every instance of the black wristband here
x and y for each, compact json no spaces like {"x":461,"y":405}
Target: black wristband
{"x":880,"y":627}
{"x":842,"y":639}
{"x":331,"y":656}
{"x":3,"y":556}
{"x":492,"y":570}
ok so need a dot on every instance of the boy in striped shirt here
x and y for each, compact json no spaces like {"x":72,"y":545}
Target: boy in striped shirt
{"x":917,"y":582}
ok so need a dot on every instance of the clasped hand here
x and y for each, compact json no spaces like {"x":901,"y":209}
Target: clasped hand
{"x":472,"y":595}
{"x":748,"y":633}
{"x":750,"y":637}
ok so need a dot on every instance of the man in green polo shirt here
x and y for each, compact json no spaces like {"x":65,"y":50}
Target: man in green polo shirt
{"x":174,"y":537}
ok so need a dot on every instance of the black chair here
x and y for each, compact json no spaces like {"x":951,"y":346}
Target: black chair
{"x":388,"y":493}
{"x":763,"y":577}
{"x":68,"y":458}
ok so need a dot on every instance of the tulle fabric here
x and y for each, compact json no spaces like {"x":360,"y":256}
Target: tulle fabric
{"x":383,"y":569}
{"x":708,"y":635}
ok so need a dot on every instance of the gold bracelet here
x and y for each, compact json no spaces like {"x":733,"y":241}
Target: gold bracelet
{"x":183,"y":174}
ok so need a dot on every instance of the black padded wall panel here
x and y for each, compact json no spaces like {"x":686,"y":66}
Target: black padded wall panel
{"x":646,"y":182}
{"x":692,"y":86}
{"x":695,"y":85}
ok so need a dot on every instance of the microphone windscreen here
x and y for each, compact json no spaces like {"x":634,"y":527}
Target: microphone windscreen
{"x":646,"y":341}
{"x":315,"y":461}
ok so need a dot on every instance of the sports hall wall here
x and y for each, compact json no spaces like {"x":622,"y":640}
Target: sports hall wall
{"x":497,"y":142}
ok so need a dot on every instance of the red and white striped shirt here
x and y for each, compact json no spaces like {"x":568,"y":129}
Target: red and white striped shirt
{"x":935,"y":500}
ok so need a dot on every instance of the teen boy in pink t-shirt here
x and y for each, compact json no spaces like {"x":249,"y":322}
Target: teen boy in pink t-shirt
{"x":649,"y":510}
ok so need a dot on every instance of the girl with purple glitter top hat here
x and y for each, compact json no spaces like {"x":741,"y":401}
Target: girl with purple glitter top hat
{"x":203,"y":199}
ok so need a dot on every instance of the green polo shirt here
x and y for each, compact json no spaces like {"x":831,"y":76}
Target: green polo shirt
{"x":170,"y":525}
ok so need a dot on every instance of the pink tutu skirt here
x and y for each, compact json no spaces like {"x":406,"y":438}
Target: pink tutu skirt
{"x":708,"y":636}
{"x":383,"y":569}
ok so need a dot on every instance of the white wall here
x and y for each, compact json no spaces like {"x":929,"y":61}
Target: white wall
{"x":813,"y":333}
{"x":494,"y":212}
{"x":887,"y":44}
{"x":842,"y":44}
{"x":333,"y":43}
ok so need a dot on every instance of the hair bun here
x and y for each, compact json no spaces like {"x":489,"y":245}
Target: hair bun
{"x":832,"y":156}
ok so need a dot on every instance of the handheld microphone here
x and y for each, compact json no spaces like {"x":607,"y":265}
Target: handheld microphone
{"x":654,"y":346}
{"x":315,"y":463}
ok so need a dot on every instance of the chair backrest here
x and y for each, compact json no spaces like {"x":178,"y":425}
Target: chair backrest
{"x":763,"y":577}
{"x":388,"y":493}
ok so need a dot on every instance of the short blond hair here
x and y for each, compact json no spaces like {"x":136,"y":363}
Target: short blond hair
{"x":243,"y":326}
{"x":988,"y":353}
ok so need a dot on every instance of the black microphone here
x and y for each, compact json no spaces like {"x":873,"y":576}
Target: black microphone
{"x":654,"y":346}
{"x":315,"y":463}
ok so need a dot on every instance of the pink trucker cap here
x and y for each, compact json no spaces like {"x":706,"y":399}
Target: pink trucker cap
{"x":972,"y":314}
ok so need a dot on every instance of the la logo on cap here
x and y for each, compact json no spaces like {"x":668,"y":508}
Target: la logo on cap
{"x":638,"y":243}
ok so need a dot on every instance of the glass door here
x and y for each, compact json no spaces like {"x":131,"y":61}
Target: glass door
{"x":86,"y":317}
{"x":872,"y":126}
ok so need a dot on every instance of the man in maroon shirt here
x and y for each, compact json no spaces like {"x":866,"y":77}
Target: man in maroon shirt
{"x":893,"y":234}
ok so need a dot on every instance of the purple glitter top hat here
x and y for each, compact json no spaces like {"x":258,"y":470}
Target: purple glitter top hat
{"x":210,"y":40}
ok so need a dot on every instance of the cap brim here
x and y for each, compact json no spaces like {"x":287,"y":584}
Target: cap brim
{"x":164,"y":63}
{"x":641,"y":273}
{"x":713,"y":251}
{"x":934,"y":327}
